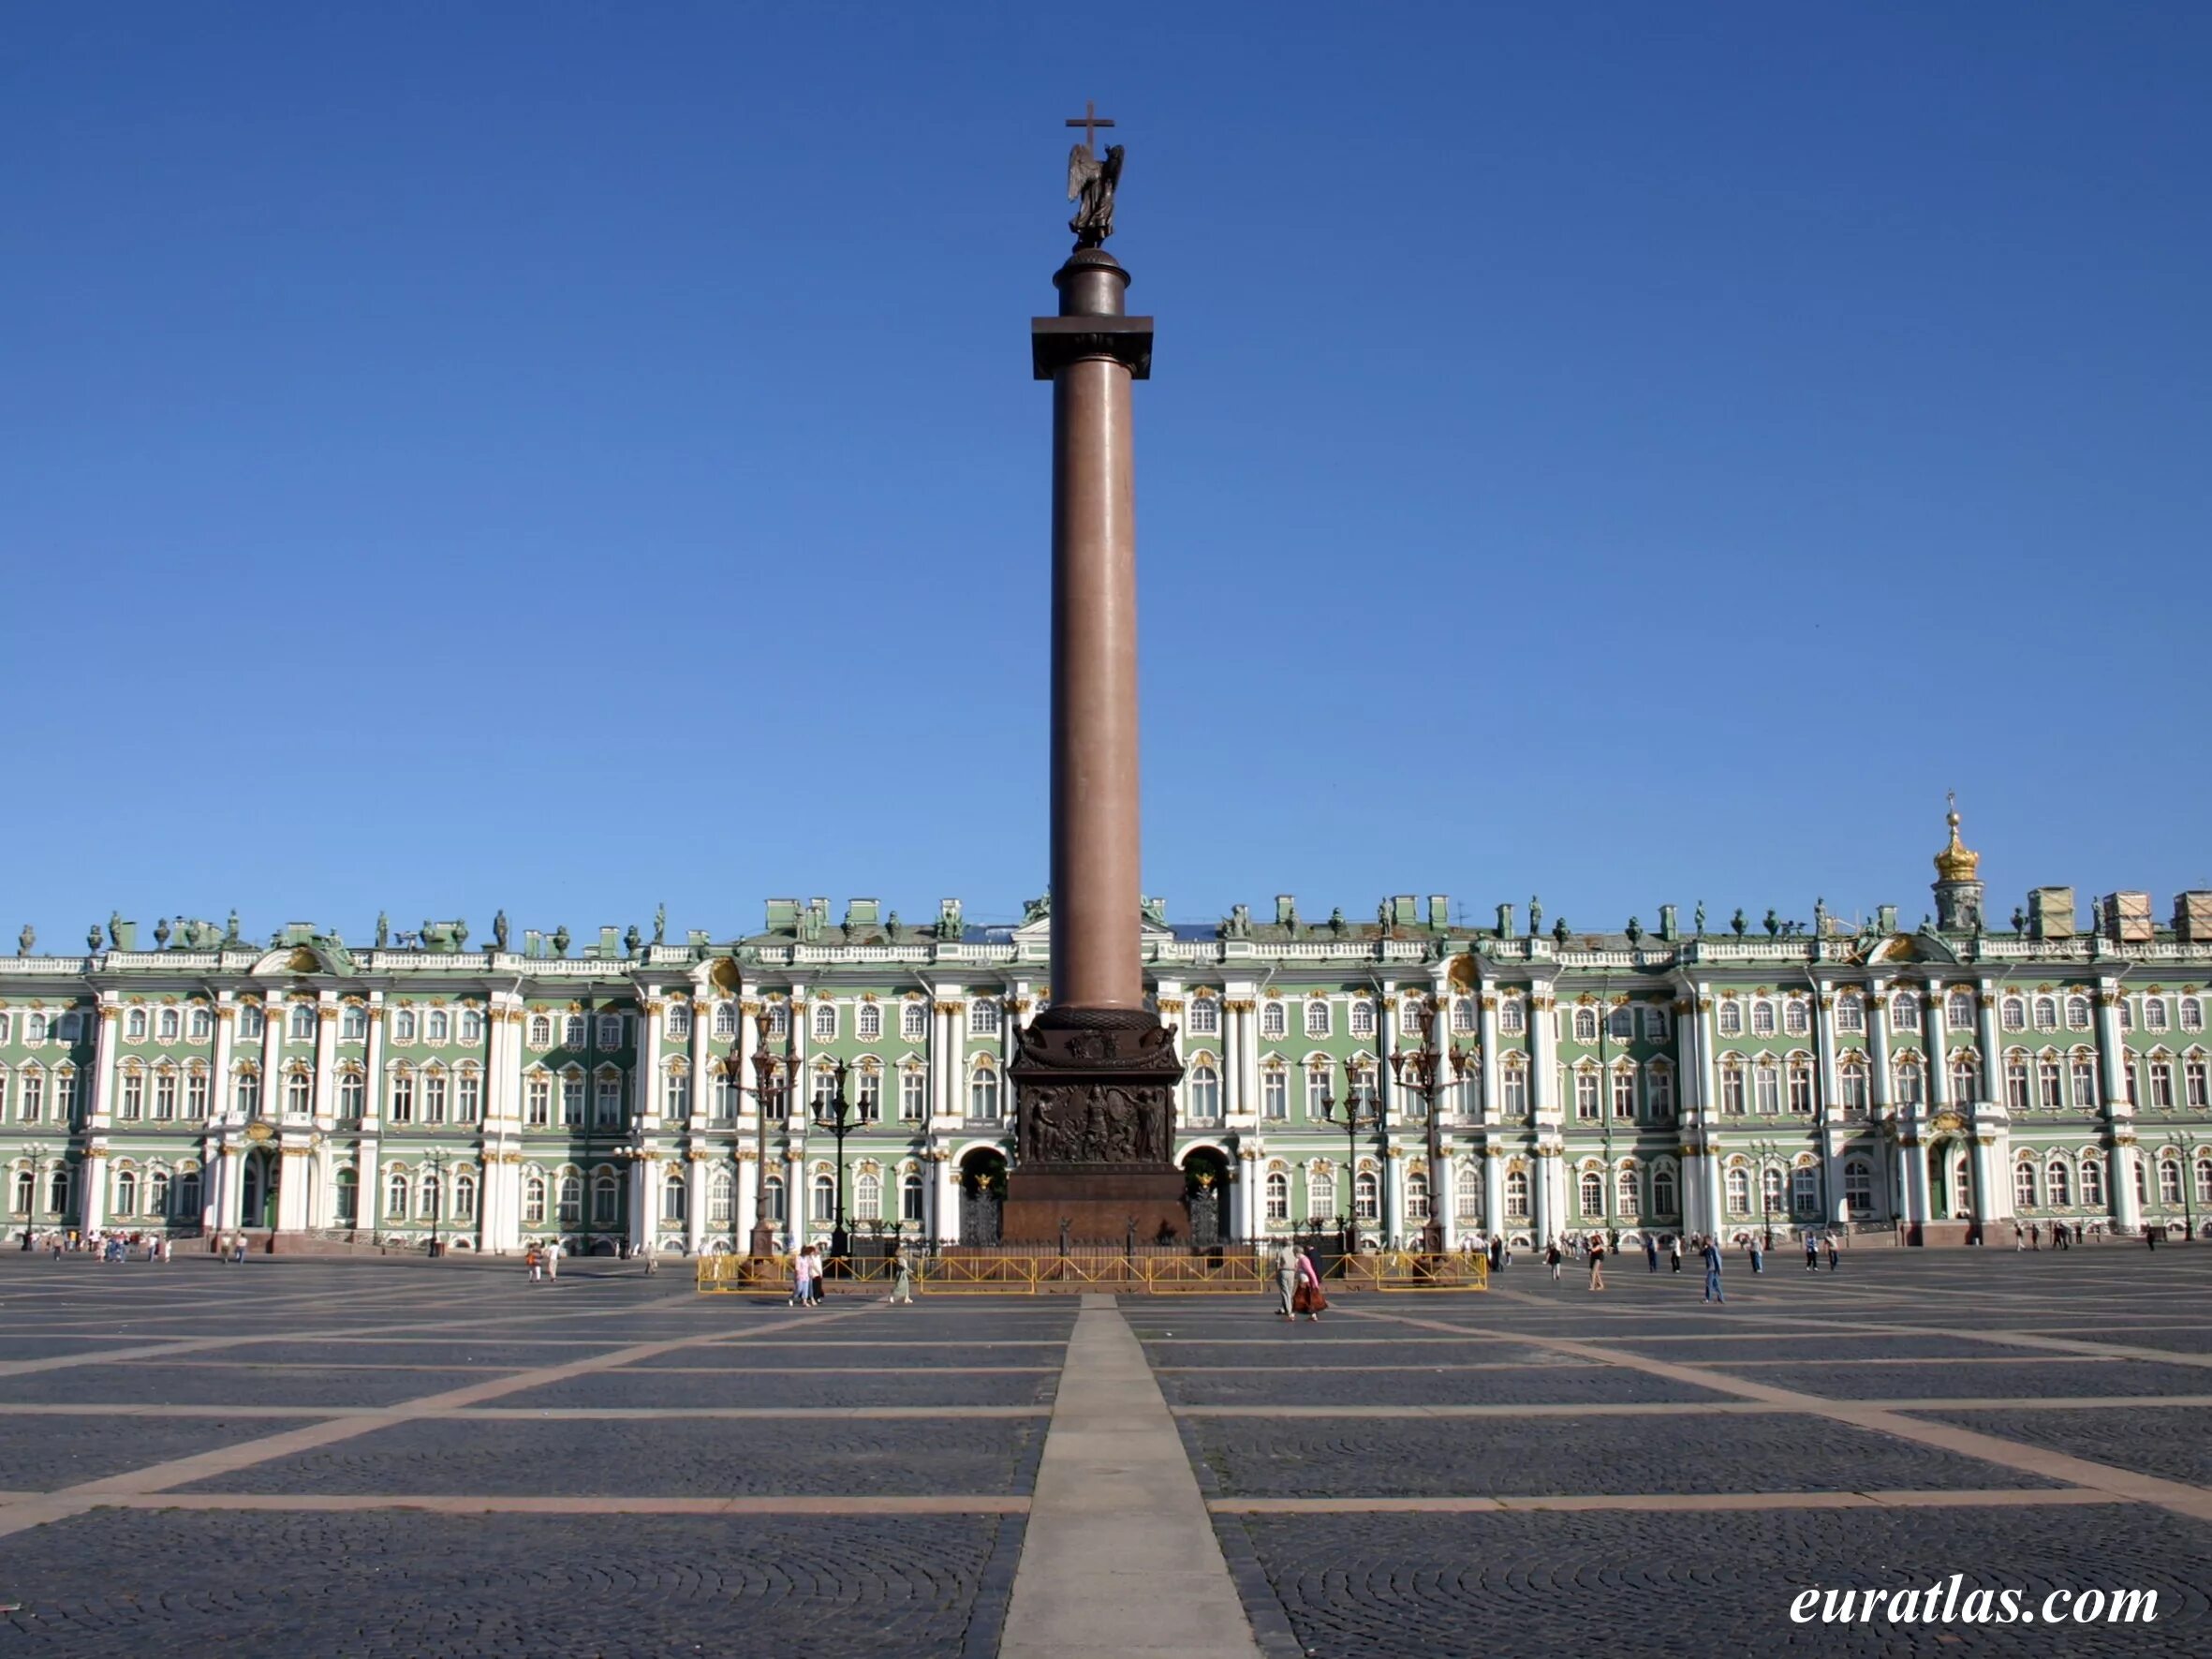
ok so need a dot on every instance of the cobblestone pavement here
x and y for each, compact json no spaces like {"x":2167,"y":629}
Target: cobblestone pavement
{"x":297,"y":1459}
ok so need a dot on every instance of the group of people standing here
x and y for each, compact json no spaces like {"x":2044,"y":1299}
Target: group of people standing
{"x":103,"y":1245}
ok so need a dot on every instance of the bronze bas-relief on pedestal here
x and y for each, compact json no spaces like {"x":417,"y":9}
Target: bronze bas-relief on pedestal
{"x":1095,"y":1130}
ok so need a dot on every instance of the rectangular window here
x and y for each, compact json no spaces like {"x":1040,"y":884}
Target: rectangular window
{"x":1205,"y":1018}
{"x":676,"y":1095}
{"x":1274,"y":1097}
{"x":572,"y":1102}
{"x":1316,"y":1089}
{"x":1660,"y":1091}
{"x":1624,"y":1094}
{"x":608,"y":1102}
{"x":352,"y":1095}
{"x":1851,"y":1015}
{"x":1855,"y":1097}
{"x":611,"y":1031}
{"x":1585,"y":1095}
{"x":196,"y":1094}
{"x":1801,"y":1089}
{"x":913,"y":1095}
{"x":1514,"y":1089}
{"x":1732,"y":1090}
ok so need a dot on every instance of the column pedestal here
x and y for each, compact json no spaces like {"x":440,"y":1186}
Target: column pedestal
{"x":1096,"y":1134}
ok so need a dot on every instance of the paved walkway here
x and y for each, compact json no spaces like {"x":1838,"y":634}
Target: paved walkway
{"x":439,"y":1459}
{"x":1120,"y":1556}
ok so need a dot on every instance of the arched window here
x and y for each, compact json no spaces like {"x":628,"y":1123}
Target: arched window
{"x":126,"y":1191}
{"x":2193,"y":1014}
{"x":430,"y":1200}
{"x":1966,"y":1076}
{"x":606,"y":1199}
{"x":1463,"y":1016}
{"x":1800,"y":1084}
{"x":403,"y":1024}
{"x":1206,"y":1015}
{"x":1317,"y":1017}
{"x":773,"y":1190}
{"x":465,"y":1197}
{"x":396,"y":1193}
{"x":2154,"y":1013}
{"x":1414,"y":1014}
{"x":1739,"y":1192}
{"x":1321,"y":1192}
{"x":171,"y":1024}
{"x":202,"y":1022}
{"x":726,"y":1019}
{"x":187,"y":1194}
{"x":822,"y":1205}
{"x":721,"y":1198}
{"x":2092,"y":1179}
{"x":2046,"y":1013}
{"x":533,"y":1200}
{"x":1366,"y":1196}
{"x":1272,"y":1021}
{"x":913,"y":1020}
{"x":1591,"y":1193}
{"x":2023,"y":1186}
{"x":824,"y":1022}
{"x":1205,"y":1092}
{"x":2203,"y":1180}
{"x":1586,"y":1024}
{"x":1770,"y":1190}
{"x":57,"y":1189}
{"x":1663,"y":1200}
{"x":2077,"y":1014}
{"x":1858,"y":1186}
{"x":1731,"y":1018}
{"x":572,"y":1030}
{"x":1361,"y":1021}
{"x":1958,"y":1010}
{"x":571,"y":1199}
{"x":1796,"y":1017}
{"x":1416,"y":1195}
{"x":910,"y":1198}
{"x":1762,"y":1018}
{"x":1851,"y":1014}
{"x":540,"y":1030}
{"x":867,"y":1197}
{"x":867,"y":1021}
{"x":472,"y":1026}
{"x":982,"y":1092}
{"x":1905,"y":1012}
{"x":1516,"y":1194}
{"x":246,"y":1092}
{"x":134,"y":1026}
{"x":2084,"y":1069}
{"x":1911,"y":1079}
{"x":2057,"y":1184}
{"x":1512,"y":1018}
{"x":1625,"y":1196}
{"x":301,"y":1027}
{"x":1512,"y":1085}
{"x":676,"y":1202}
{"x":1278,"y":1197}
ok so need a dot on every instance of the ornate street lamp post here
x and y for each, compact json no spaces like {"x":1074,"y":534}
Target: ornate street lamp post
{"x":1423,"y":1070}
{"x":835,"y":1114}
{"x":1361,"y":1114}
{"x":767,"y":1087}
{"x":435,"y":1162}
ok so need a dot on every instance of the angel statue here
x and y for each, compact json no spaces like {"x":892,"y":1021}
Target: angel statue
{"x":1090,"y":185}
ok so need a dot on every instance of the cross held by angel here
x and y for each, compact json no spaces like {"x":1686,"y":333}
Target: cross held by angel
{"x":1091,"y":181}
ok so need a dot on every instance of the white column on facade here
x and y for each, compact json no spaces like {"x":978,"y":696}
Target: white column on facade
{"x":1935,"y":1033}
{"x":2111,"y":1046}
{"x":1386,"y":1036}
{"x":1494,"y":1189}
{"x":273,"y":1015}
{"x":107,"y":1040}
{"x":1543,"y":1052}
{"x":218,"y":1082}
{"x":796,"y":1193}
{"x":92,"y":1188}
{"x":2127,"y":1208}
{"x":233,"y":1184}
{"x":1705,"y":1171}
{"x":944,"y":1202}
{"x":652,"y":1011}
{"x":748,"y":1044}
{"x":1241,"y":1006}
{"x":1248,"y":1206}
{"x":1993,"y":1070}
{"x":1391,"y":1190}
{"x":1488,"y":1108}
{"x":1544,"y":1213}
{"x":294,"y":1194}
{"x":748,"y":1191}
{"x":326,"y":1063}
{"x":1829,"y":1115}
{"x":645,"y":1224}
{"x":367,"y":1156}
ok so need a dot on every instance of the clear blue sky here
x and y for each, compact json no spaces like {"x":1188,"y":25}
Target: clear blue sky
{"x":566,"y":457}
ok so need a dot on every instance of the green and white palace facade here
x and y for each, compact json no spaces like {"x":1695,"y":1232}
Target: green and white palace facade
{"x":1918,"y":1083}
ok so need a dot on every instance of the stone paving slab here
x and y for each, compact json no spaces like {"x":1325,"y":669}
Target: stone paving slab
{"x":40,"y":1453}
{"x":1640,"y":1586}
{"x":2174,"y":1443}
{"x":1778,"y":1452}
{"x":151,"y":1381}
{"x":2023,"y":1378}
{"x":120,"y":1584}
{"x":626,"y":1387}
{"x":1569,"y":1385}
{"x":672,"y":1456}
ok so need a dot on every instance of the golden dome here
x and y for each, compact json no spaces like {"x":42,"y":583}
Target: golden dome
{"x":1955,"y":862}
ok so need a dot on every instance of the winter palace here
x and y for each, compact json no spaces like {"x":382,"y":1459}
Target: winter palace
{"x":1914,"y":1084}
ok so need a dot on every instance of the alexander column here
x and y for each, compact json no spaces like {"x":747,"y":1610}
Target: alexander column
{"x":1096,"y":1071}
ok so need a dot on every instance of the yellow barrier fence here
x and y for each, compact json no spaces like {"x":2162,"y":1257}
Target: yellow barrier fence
{"x":1000,"y":1275}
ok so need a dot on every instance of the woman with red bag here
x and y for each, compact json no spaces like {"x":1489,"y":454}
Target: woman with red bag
{"x":1308,"y":1298}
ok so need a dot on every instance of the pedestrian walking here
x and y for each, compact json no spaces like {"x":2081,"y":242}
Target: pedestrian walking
{"x":652,"y":1257}
{"x":1674,"y":1252}
{"x":1834,"y":1250}
{"x":1553,"y":1256}
{"x":1812,"y":1250}
{"x":553,"y":1258}
{"x":1758,"y":1255}
{"x":1651,"y":1252}
{"x":1286,"y":1280}
{"x":1598,"y":1263}
{"x":2019,"y":1236}
{"x":534,"y":1259}
{"x":1309,"y":1298}
{"x":1712,"y":1260}
{"x":902,"y":1276}
{"x":801,"y":1268}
